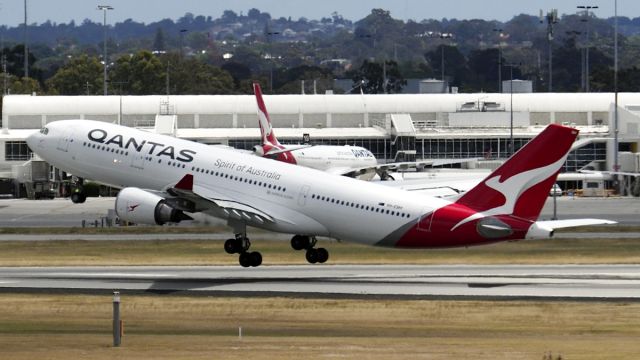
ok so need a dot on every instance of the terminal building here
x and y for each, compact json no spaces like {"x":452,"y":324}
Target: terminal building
{"x":398,"y":127}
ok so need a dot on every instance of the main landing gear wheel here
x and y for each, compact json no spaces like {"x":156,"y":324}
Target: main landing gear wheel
{"x":240,"y":245}
{"x":313,"y":255}
{"x":248,"y":259}
{"x":78,"y":197}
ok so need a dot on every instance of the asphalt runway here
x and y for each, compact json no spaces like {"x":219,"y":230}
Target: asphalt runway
{"x":509,"y":282}
{"x":63,"y":213}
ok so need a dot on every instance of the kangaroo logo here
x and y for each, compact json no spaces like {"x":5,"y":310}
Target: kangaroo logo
{"x":131,"y":208}
{"x":513,"y":187}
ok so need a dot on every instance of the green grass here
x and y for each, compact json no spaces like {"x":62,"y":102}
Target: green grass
{"x":174,"y":327}
{"x":203,"y":252}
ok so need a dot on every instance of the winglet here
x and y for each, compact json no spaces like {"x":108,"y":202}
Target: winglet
{"x":186,"y":183}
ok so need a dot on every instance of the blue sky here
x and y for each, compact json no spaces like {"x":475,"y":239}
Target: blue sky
{"x":12,"y":11}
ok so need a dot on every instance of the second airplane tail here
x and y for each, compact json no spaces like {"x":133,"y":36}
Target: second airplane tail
{"x":266,"y":130}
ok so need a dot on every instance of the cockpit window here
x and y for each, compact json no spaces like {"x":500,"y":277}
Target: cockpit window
{"x":44,"y":131}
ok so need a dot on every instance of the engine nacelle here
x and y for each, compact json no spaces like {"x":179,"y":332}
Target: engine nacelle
{"x":258,"y":150}
{"x":141,"y":207}
{"x":537,"y":231}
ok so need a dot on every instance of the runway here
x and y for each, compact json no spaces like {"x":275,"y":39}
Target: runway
{"x":508,"y":282}
{"x":63,"y":213}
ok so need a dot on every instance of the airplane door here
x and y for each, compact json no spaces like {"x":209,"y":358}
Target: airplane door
{"x":304,"y":193}
{"x":65,"y":139}
{"x":424,"y":222}
{"x":138,"y":160}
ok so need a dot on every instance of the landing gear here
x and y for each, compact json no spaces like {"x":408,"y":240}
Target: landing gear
{"x":313,"y":255}
{"x":79,"y":196}
{"x":240,"y":245}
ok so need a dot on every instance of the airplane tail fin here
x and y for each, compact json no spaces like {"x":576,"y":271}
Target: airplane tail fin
{"x":521,"y":185}
{"x":266,"y":131}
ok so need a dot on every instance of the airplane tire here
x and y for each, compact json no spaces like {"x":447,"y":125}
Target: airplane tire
{"x":245,"y":259}
{"x":78,"y":198}
{"x":299,"y":242}
{"x":256,"y":258}
{"x":230,"y":246}
{"x":312,"y":256}
{"x":323,"y":255}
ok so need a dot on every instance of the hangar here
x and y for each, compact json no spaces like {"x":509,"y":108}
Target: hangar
{"x":393,"y":127}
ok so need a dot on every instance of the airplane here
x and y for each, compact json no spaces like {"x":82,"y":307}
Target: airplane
{"x":347,"y":160}
{"x":164,"y":179}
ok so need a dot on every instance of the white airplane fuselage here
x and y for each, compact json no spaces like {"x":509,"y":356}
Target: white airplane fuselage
{"x":304,"y":200}
{"x":334,"y":159}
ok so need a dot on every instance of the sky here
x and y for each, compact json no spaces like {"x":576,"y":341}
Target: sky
{"x":62,"y":11}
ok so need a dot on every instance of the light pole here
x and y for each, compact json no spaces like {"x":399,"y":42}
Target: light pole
{"x":443,"y":36}
{"x":499,"y":31}
{"x":586,"y":13}
{"x":573,"y":34}
{"x":616,"y":166}
{"x":552,"y":19}
{"x":269,"y":35}
{"x":182,"y":31}
{"x":511,"y":142}
{"x":104,"y":9}
{"x":26,"y":47}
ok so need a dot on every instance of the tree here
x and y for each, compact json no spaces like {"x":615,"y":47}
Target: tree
{"x":158,"y":41}
{"x":371,"y":79}
{"x":140,"y":74}
{"x":194,"y":77}
{"x":82,"y":75}
{"x":238,"y":71}
{"x":455,"y":64}
{"x":289,"y":82}
{"x":23,"y":85}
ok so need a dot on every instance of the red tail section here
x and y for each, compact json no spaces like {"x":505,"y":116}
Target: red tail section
{"x":521,"y":185}
{"x":270,"y":146}
{"x":268,"y":137}
{"x":503,"y":206}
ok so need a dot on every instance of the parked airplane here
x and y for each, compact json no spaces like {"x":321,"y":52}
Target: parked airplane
{"x":164,"y":178}
{"x":352,"y":161}
{"x":341,"y":160}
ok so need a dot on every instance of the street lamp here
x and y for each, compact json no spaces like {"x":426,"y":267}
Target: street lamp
{"x":499,"y":31}
{"x":585,"y":19}
{"x":552,"y":19}
{"x":26,"y":48}
{"x":269,"y":35}
{"x":573,"y":34}
{"x":443,"y":36}
{"x":182,"y":31}
{"x":104,"y":8}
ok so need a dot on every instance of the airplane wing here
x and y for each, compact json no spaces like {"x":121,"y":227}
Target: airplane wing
{"x":205,"y":199}
{"x":561,"y":224}
{"x":276,"y":151}
{"x":609,"y":172}
{"x":383,"y":169}
{"x":442,"y":187}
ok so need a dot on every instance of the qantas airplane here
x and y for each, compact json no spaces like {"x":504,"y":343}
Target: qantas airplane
{"x":351,"y":161}
{"x":163,"y":179}
{"x":341,"y":160}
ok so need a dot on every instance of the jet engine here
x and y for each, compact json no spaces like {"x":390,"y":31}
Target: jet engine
{"x":258,"y":150}
{"x":142,"y":207}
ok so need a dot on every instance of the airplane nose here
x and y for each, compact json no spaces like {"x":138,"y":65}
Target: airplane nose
{"x":32,"y":140}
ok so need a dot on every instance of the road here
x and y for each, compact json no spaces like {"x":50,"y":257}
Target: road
{"x":61,"y":212}
{"x":558,"y":282}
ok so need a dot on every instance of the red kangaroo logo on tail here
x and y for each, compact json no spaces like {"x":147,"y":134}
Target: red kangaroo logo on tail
{"x":269,"y":140}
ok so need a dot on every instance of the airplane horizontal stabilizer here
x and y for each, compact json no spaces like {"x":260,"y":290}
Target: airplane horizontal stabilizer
{"x":561,"y":224}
